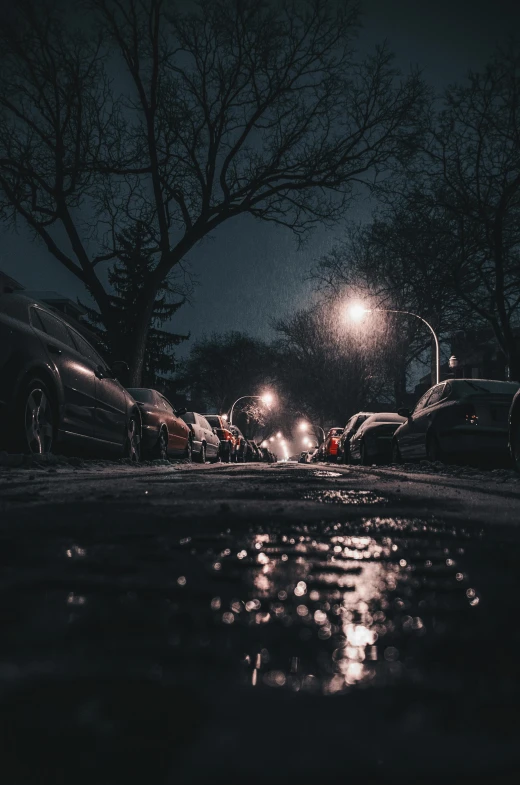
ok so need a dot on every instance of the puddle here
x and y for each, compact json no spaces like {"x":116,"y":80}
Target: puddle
{"x":344,"y":497}
{"x":324,"y":473}
{"x":327,"y":607}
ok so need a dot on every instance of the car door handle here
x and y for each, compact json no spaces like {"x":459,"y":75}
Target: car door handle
{"x":53,"y":349}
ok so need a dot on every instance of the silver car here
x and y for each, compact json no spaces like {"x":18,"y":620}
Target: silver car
{"x":372,"y":441}
{"x":205,"y":442}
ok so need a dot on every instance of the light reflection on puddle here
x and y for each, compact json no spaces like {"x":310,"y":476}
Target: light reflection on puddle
{"x":325,"y":607}
{"x":324,"y":473}
{"x":344,"y":497}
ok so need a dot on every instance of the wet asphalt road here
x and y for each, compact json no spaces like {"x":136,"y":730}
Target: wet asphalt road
{"x":258,"y":624}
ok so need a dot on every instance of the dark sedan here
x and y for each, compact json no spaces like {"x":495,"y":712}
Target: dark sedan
{"x":350,"y":429}
{"x":56,"y":390}
{"x":372,"y":441}
{"x":514,"y":431}
{"x":462,"y":418}
{"x":165,"y":435}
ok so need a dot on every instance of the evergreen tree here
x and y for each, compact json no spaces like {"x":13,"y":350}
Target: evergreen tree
{"x":135,"y":261}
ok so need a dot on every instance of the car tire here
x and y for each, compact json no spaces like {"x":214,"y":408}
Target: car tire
{"x":202,"y":454}
{"x":160,"y":451}
{"x":396,"y":453}
{"x":346,"y":455}
{"x":363,"y":455}
{"x":35,"y":426}
{"x":515,"y":444}
{"x":132,"y":446}
{"x":433,"y":449}
{"x":188,"y":452}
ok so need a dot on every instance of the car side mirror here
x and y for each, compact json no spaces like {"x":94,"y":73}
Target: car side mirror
{"x":180,"y":412}
{"x":119,"y":367}
{"x":404,"y":412}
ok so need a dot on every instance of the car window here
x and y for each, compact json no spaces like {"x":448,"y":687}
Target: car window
{"x":422,"y":402}
{"x":436,"y":394}
{"x":36,"y":321}
{"x":484,"y":386}
{"x":189,"y":418}
{"x":55,"y":328}
{"x":214,"y":420}
{"x":87,"y":350}
{"x":165,"y":404}
{"x":142,"y":395}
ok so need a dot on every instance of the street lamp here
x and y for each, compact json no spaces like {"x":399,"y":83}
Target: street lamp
{"x":304,"y":426}
{"x":266,"y":398}
{"x":358,"y":311}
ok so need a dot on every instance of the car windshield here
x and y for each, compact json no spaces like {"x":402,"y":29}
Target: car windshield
{"x":335,"y":431}
{"x":384,"y":417}
{"x":471,"y":386}
{"x":142,"y":395}
{"x":214,"y":420}
{"x":189,"y":418}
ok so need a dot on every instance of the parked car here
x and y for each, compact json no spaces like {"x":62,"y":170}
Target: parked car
{"x":205,"y":442}
{"x":226,"y":438}
{"x":303,"y":457}
{"x":372,"y":441}
{"x":164,"y":434}
{"x":514,"y":431}
{"x":257,"y":455}
{"x":240,"y":448}
{"x":350,"y":429}
{"x":268,"y":456}
{"x":458,"y":418}
{"x":56,"y":391}
{"x":330,"y":446}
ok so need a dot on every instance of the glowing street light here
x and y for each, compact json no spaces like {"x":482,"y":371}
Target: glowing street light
{"x":265,"y":444}
{"x":304,"y":426}
{"x":358,"y":310}
{"x":271,"y":439}
{"x":266,"y":398}
{"x":279,"y":435}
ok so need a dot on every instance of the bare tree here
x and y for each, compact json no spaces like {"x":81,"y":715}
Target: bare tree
{"x":401,"y":260}
{"x":324,"y":369}
{"x":224,"y":109}
{"x":476,"y":181}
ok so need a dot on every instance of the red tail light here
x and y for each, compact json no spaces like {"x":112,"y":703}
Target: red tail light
{"x":469,"y":413}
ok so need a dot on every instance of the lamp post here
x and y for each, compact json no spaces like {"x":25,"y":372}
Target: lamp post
{"x":358,"y":311}
{"x":267,"y":398}
{"x":304,"y":426}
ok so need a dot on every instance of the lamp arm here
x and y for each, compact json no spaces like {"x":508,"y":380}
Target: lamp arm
{"x":437,"y":350}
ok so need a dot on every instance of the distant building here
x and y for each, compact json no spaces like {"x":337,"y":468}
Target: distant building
{"x":71,"y":311}
{"x":8,"y":284}
{"x":474,"y":355}
{"x":57,"y":302}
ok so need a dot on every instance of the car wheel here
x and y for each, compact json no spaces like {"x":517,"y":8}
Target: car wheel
{"x":346,"y":455}
{"x":132,"y":448}
{"x":364,"y":457}
{"x":38,"y":420}
{"x":202,"y":454}
{"x":515,"y":444}
{"x":433,"y":449}
{"x":160,"y":451}
{"x":396,"y":453}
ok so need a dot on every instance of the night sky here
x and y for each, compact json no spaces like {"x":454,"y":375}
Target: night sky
{"x":251,"y":273}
